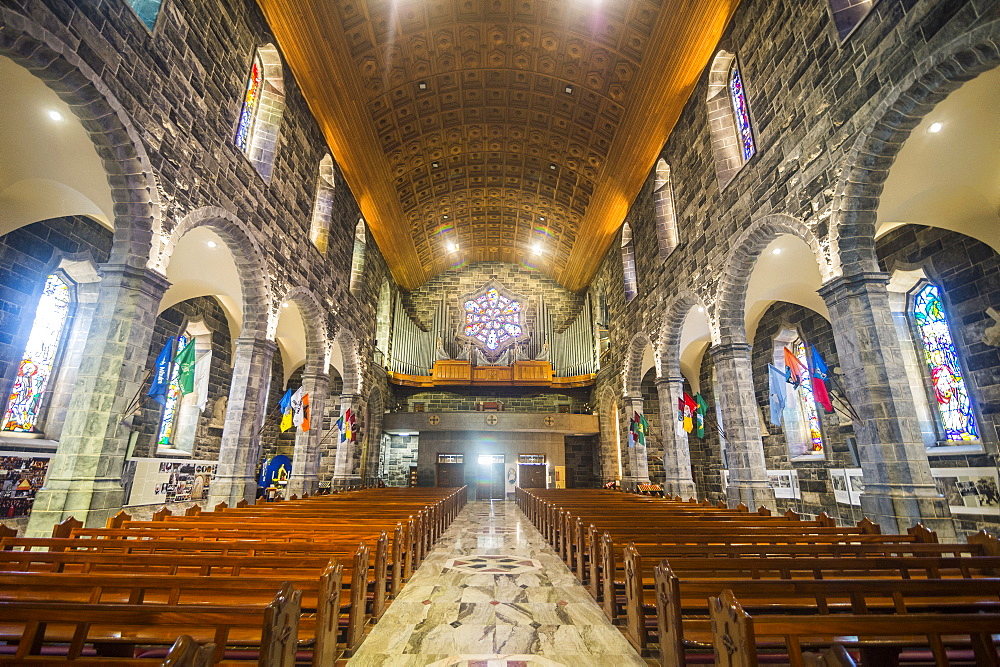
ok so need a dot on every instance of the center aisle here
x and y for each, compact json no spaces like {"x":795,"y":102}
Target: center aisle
{"x":494,"y":591}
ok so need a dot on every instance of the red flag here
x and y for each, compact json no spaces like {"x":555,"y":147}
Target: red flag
{"x":793,"y":368}
{"x":819,"y":374}
{"x":690,"y":407}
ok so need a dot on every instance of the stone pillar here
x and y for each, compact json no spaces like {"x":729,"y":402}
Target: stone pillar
{"x":676,"y":449}
{"x":899,"y":491}
{"x":84,"y":478}
{"x":344,"y":473}
{"x":236,"y":476}
{"x":744,"y":448}
{"x":305,"y":460}
{"x":638,"y":463}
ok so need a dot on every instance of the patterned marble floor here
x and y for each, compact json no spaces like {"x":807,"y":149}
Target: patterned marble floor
{"x":494,"y":594}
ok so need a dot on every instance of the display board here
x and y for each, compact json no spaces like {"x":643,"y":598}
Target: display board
{"x":170,"y":480}
{"x":20,"y":478}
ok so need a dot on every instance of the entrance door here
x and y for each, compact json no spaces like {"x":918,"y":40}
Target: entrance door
{"x":531,"y":475}
{"x":450,"y":470}
{"x":490,"y":485}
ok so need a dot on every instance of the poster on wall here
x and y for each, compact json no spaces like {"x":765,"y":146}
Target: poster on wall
{"x":848,"y":484}
{"x":784,"y":482}
{"x":838,"y":479}
{"x":170,"y":481}
{"x":20,"y":479}
{"x":969,"y":490}
{"x":855,"y":484}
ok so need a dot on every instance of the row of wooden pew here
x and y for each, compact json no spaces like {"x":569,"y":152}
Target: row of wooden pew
{"x":703,"y":583}
{"x":280,"y":583}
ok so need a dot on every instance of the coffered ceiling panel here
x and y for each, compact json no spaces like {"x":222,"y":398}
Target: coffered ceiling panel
{"x":512,"y":130}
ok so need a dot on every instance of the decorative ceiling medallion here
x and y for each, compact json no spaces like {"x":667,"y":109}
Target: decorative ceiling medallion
{"x":494,"y":318}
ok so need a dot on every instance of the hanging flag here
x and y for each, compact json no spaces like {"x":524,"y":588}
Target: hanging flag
{"x":643,"y":429}
{"x":349,"y":425}
{"x":285,"y":407}
{"x":689,"y":409}
{"x":777,"y":386}
{"x":185,"y":368}
{"x":793,"y":369}
{"x":161,"y":377}
{"x":340,"y":428}
{"x":820,"y":376}
{"x":680,"y":409}
{"x":300,"y":409}
{"x":700,"y":415}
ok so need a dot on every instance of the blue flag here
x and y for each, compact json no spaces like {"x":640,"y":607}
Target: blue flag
{"x":161,"y":377}
{"x":776,"y":388}
{"x":285,"y":404}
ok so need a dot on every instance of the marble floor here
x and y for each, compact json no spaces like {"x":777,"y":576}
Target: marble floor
{"x":494,"y":594}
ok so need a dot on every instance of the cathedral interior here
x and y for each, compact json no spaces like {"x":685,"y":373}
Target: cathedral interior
{"x":745,"y":252}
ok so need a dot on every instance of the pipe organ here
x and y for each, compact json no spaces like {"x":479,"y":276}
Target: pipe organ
{"x":571,"y":351}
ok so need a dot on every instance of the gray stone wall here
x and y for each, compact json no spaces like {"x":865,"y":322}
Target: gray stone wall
{"x":173,"y":322}
{"x":401,"y":454}
{"x":448,"y":401}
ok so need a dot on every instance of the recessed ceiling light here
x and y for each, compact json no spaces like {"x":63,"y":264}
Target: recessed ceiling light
{"x":454,"y":247}
{"x":445,"y":216}
{"x":569,"y":89}
{"x":552,"y":166}
{"x":422,"y":86}
{"x":55,"y":115}
{"x":435,"y":164}
{"x":541,"y":218}
{"x":284,"y":304}
{"x":701,"y":309}
{"x":935,"y":128}
{"x":536,"y":248}
{"x":776,"y":251}
{"x":211,"y":244}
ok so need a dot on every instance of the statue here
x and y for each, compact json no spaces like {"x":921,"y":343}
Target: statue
{"x":219,"y":412}
{"x":544,"y":354}
{"x":466,"y":353}
{"x":991,"y":336}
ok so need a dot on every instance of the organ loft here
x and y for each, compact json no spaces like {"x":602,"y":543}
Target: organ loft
{"x":496,"y":332}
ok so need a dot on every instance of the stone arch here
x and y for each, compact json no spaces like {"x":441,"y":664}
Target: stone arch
{"x":314,"y":318}
{"x":352,"y":366}
{"x":873,"y":153}
{"x":247,"y":255}
{"x":672,"y":324}
{"x":739,"y":263}
{"x":134,"y":189}
{"x":663,"y":206}
{"x":633,"y":364}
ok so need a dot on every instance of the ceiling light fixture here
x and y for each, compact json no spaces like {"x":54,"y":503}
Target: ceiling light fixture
{"x":211,"y":244}
{"x":935,"y":128}
{"x":422,"y":85}
{"x":776,"y":251}
{"x":435,"y":164}
{"x":284,"y":304}
{"x":445,"y":216}
{"x":569,"y":89}
{"x":537,"y":248}
{"x":701,"y":309}
{"x":552,"y":166}
{"x":454,"y":247}
{"x":55,"y":115}
{"x":541,"y":218}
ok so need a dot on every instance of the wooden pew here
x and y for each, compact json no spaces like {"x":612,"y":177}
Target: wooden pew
{"x":736,"y":636}
{"x":129,"y":625}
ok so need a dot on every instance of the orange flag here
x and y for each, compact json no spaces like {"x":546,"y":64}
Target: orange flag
{"x":793,"y":369}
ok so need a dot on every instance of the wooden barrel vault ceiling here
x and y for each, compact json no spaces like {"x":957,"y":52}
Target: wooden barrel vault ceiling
{"x":502,"y":126}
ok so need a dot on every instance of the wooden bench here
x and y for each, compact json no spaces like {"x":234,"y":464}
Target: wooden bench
{"x":737,"y":637}
{"x":120,"y":628}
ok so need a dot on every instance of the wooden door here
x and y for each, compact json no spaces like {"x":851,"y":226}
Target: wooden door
{"x":530,"y":476}
{"x":451,"y":475}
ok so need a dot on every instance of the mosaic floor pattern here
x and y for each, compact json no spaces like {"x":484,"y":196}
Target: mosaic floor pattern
{"x":493,"y":594}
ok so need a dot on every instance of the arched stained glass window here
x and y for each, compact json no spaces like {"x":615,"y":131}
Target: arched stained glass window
{"x":173,"y":397}
{"x":39,"y":358}
{"x":628,"y":264}
{"x":950,"y":391}
{"x":741,"y":113}
{"x":251,"y":100}
{"x":807,"y":400}
{"x":493,"y":319}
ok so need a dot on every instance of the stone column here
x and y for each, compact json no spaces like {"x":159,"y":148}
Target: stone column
{"x":744,"y":448}
{"x":638,"y":463}
{"x":676,"y":448}
{"x":236,"y":476}
{"x":305,"y":460}
{"x":899,"y":491}
{"x":84,"y":478}
{"x":344,"y":473}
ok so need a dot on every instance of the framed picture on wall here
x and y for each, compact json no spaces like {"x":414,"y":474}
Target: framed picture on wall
{"x":969,"y":490}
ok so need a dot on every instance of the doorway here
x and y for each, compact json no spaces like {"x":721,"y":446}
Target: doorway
{"x":450,"y":470}
{"x":490,"y":484}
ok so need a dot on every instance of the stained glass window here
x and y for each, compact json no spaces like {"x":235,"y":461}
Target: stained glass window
{"x":493,"y":319}
{"x":950,"y":391}
{"x":250,"y":103}
{"x":39,"y":356}
{"x":741,"y":113}
{"x":173,"y":398}
{"x":147,"y":10}
{"x":808,"y":400}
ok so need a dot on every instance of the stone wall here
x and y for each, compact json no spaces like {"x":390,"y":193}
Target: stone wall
{"x":400,"y":455}
{"x":455,"y":401}
{"x":173,"y":322}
